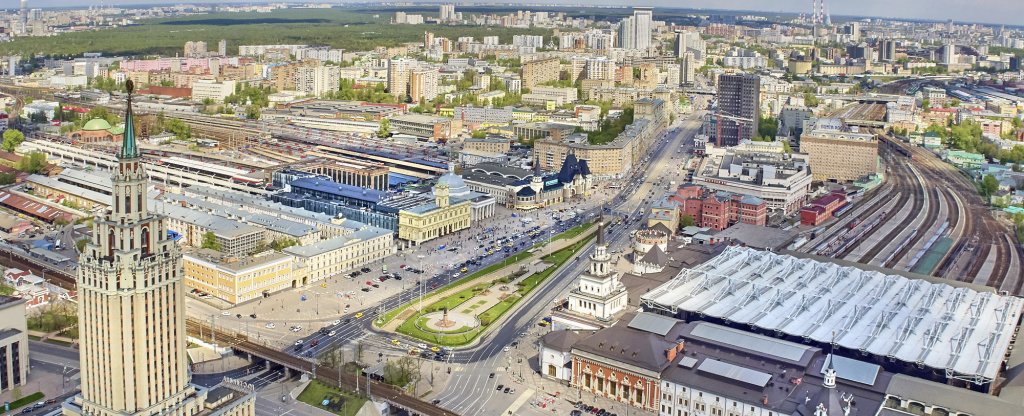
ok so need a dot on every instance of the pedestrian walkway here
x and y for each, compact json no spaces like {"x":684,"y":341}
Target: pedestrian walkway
{"x":522,"y":399}
{"x":493,"y":276}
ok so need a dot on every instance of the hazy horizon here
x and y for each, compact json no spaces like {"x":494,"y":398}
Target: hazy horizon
{"x":984,"y":11}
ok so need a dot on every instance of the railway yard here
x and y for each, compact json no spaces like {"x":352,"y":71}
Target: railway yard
{"x":927,"y":218}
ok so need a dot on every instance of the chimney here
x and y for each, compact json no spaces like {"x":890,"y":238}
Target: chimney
{"x":670,"y":354}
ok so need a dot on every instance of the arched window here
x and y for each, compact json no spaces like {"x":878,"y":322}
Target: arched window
{"x":127,"y":200}
{"x":145,"y":241}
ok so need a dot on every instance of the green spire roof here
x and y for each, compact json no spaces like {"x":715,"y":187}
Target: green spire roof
{"x":129,"y":149}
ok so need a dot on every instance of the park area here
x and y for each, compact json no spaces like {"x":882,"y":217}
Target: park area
{"x":459,"y":315}
{"x":337,"y":402}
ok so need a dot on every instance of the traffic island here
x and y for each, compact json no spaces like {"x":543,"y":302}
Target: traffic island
{"x":459,"y":315}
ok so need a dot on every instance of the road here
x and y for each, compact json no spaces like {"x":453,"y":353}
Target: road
{"x":472,"y":390}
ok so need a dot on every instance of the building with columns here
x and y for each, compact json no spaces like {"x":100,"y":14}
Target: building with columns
{"x":131,"y":310}
{"x":598,"y":295}
{"x":454,"y":207}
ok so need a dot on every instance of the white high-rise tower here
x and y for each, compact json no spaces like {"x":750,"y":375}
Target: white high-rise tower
{"x":131,"y":310}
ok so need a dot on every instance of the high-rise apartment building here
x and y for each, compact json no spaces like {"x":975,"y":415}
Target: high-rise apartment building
{"x":690,"y":41}
{"x":643,"y":20}
{"x":317,"y":80}
{"x":398,"y":75}
{"x":540,"y":71}
{"x":423,"y":84}
{"x":887,"y":50}
{"x":222,"y":47}
{"x":627,"y":33}
{"x":534,"y":41}
{"x":739,"y":108}
{"x":447,"y":13}
{"x":688,"y":68}
{"x":195,"y":49}
{"x":131,"y":310}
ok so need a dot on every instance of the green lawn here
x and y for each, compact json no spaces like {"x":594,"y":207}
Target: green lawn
{"x":574,"y":231}
{"x":30,"y":399}
{"x":316,"y":392}
{"x":557,"y":259}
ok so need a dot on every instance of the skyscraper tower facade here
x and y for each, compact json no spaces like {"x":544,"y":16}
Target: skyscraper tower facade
{"x":739,"y":101}
{"x":131,"y":309}
{"x":643,"y":19}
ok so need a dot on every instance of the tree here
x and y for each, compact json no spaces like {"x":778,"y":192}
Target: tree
{"x":177,"y":127}
{"x":479,"y":134}
{"x":12,"y":139}
{"x":252,"y":112}
{"x":686,"y":221}
{"x":989,"y":185}
{"x":210,"y":241}
{"x":926,"y":105}
{"x":768,"y":127}
{"x":80,"y":244}
{"x":810,"y":100}
{"x":385,"y":128}
{"x":7,"y":178}
{"x":33,"y":162}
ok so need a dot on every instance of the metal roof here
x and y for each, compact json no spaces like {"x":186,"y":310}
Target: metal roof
{"x":687,"y":362}
{"x":747,"y":340}
{"x":853,"y":370}
{"x":653,"y":323}
{"x":734,"y":372}
{"x":947,"y":327}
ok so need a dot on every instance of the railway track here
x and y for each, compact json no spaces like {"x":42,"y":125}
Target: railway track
{"x":911,"y":191}
{"x":929,"y":219}
{"x":899,"y":186}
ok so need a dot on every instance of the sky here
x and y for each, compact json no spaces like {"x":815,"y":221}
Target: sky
{"x":984,"y":11}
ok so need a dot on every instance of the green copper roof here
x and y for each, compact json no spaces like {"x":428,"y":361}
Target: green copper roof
{"x":129,"y":149}
{"x":96,"y":124}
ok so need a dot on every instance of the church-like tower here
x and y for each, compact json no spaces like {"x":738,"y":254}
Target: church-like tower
{"x":599,"y":293}
{"x":131,"y":310}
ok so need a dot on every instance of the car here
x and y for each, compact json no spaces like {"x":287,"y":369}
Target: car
{"x":506,"y":390}
{"x":365,"y":289}
{"x":252,"y":315}
{"x":396,"y":342}
{"x":376,"y":286}
{"x":347,"y":320}
{"x":314,"y":343}
{"x":51,"y":401}
{"x":296,"y":328}
{"x":457,"y":274}
{"x":491,"y":376}
{"x":26,"y":410}
{"x":506,"y":349}
{"x":422,"y":346}
{"x":299,"y":342}
{"x":435,"y":402}
{"x":369,"y":283}
{"x":331,"y":333}
{"x":359,"y":315}
{"x":336,"y":322}
{"x":435,"y":349}
{"x":576,"y":412}
{"x":270,"y":325}
{"x":298,"y":347}
{"x":500,"y":386}
{"x":397,"y":277}
{"x":463,"y":270}
{"x":402,"y":267}
{"x":39,"y":405}
{"x":365,"y":270}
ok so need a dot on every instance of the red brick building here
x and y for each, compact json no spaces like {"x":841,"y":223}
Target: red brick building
{"x":718,"y":210}
{"x":821,"y":209}
{"x":624,"y":362}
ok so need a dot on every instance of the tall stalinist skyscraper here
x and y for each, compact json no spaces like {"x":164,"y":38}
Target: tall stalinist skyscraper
{"x":131,"y":310}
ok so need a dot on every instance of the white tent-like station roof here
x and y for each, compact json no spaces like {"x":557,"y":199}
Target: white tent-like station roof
{"x":956,"y":329}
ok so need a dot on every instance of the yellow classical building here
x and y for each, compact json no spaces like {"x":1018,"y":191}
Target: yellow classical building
{"x":236,"y":280}
{"x":429,"y":221}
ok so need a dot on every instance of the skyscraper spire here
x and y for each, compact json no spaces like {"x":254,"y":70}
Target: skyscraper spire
{"x":129,"y":148}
